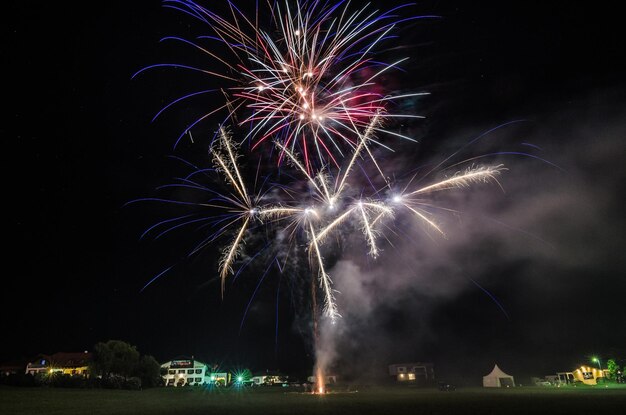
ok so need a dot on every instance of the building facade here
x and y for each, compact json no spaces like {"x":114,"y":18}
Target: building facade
{"x":584,"y":374}
{"x":191,"y":372}
{"x":417,"y":372}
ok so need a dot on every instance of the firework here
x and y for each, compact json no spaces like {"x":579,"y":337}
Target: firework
{"x":328,"y":213}
{"x":308,"y":81}
{"x":307,"y":88}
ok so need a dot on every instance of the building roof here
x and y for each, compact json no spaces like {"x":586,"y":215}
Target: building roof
{"x":62,"y":359}
{"x":268,"y":373}
{"x":71,"y":359}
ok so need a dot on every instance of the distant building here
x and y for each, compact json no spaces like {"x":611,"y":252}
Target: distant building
{"x":418,"y":372}
{"x":73,"y":363}
{"x":258,"y":380}
{"x":184,"y":372}
{"x":585,"y":374}
{"x":564,"y":378}
{"x":269,"y":378}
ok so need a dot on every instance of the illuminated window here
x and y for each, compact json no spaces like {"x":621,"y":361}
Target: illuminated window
{"x":190,"y":371}
{"x":181,"y":371}
{"x":198,"y":379}
{"x":198,"y":371}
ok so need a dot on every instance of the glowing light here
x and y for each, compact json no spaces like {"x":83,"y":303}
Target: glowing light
{"x":320,"y":381}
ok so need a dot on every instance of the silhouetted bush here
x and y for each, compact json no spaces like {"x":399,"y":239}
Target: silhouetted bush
{"x":61,"y":380}
{"x":133,"y":383}
{"x":113,"y":382}
{"x":18,"y":379}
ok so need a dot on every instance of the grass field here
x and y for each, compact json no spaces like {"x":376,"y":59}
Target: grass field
{"x":366,"y":400}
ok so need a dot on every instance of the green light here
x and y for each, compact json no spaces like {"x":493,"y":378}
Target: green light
{"x":595,"y":359}
{"x":239,"y":378}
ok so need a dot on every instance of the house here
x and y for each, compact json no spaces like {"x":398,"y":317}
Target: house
{"x":585,"y":374}
{"x":68,"y":363}
{"x":188,"y":372}
{"x":417,"y":372}
{"x":589,"y":375}
{"x":269,"y":378}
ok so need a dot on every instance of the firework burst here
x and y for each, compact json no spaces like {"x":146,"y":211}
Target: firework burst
{"x":310,"y":80}
{"x":308,"y":88}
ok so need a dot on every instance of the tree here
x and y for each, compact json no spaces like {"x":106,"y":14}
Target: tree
{"x":119,"y":365}
{"x":102,"y":361}
{"x":149,"y":371}
{"x":114,"y":357}
{"x":613,"y":368}
{"x":125,"y":358}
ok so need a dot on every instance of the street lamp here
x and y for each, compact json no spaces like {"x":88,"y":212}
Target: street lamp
{"x":595,"y":359}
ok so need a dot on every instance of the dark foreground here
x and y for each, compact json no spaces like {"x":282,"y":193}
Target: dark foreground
{"x":365,"y":400}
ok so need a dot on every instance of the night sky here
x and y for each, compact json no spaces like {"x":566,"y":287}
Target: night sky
{"x":531,"y":278}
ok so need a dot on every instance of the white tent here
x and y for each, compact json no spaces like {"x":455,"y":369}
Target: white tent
{"x":498,"y":379}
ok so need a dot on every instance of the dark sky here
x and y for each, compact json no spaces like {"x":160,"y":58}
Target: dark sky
{"x":532,"y":278}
